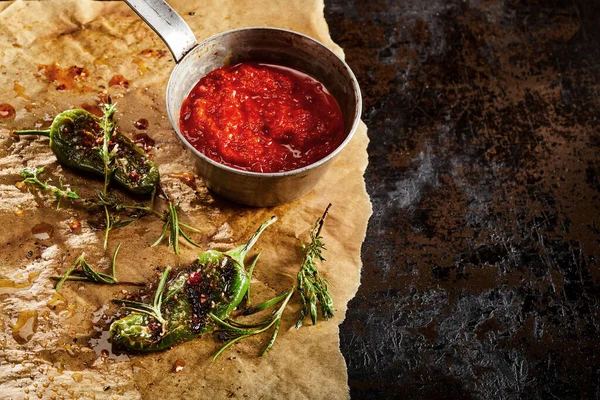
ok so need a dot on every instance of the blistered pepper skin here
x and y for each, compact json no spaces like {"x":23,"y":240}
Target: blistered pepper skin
{"x":76,"y":139}
{"x":132,"y":333}
{"x":215,"y":283}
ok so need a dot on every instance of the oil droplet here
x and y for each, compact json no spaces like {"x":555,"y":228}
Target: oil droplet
{"x":6,"y":111}
{"x":64,"y":78}
{"x":141,"y":124}
{"x":60,"y":366}
{"x":9,"y":286}
{"x":185,"y":178}
{"x":102,"y":347}
{"x":42,"y":231}
{"x":26,"y":326}
{"x":144,"y":141}
{"x":21,"y":185}
{"x":151,"y":53}
{"x":101,"y":61}
{"x":119,"y":80}
{"x":92,"y":109}
{"x":142,"y":68}
{"x":20,"y":90}
{"x":57,"y":302}
{"x":178,"y":366}
{"x":75,"y":225}
{"x":19,"y":212}
{"x":77,"y":377}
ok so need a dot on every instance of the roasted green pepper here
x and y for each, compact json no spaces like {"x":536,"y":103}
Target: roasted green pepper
{"x":76,"y":138}
{"x":186,"y":306}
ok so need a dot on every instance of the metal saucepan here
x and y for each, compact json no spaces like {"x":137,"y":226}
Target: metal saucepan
{"x":268,"y":45}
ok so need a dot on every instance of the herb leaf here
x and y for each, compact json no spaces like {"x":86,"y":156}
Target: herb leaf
{"x":30,"y":175}
{"x":313,"y":288}
{"x":88,"y":274}
{"x":175,"y":228}
{"x":234,"y":331}
{"x":108,"y":127}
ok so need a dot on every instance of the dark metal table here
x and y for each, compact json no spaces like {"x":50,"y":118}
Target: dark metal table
{"x":481,"y":277}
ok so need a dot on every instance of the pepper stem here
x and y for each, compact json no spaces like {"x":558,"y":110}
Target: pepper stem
{"x":33,"y":132}
{"x":240,"y":253}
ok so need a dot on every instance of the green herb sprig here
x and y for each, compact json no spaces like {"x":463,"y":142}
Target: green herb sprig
{"x":88,"y":274}
{"x":31,"y":175}
{"x":112,"y":222}
{"x":175,"y":228}
{"x":313,"y":288}
{"x":234,"y":331}
{"x":108,"y":126}
{"x":107,"y":156}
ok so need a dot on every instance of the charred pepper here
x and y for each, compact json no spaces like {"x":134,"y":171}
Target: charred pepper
{"x":185,"y":307}
{"x":76,"y":139}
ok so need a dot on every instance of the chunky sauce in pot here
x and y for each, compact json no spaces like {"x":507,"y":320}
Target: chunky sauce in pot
{"x":262,"y":118}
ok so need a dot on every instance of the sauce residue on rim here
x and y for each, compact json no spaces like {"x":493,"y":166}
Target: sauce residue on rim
{"x":262,"y":118}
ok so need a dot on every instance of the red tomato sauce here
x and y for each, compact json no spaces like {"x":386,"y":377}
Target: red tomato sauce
{"x":262,"y":118}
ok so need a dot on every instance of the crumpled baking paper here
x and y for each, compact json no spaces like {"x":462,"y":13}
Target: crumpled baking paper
{"x":61,"y":351}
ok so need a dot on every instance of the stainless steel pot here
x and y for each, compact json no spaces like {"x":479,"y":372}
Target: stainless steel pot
{"x":269,"y":45}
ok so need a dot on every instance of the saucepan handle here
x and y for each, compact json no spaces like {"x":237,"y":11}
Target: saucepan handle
{"x":167,"y":24}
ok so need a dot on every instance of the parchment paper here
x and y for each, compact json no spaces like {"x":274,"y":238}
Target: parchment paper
{"x":64,"y":358}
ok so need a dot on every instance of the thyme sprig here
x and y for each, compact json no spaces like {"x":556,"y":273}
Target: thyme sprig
{"x":313,"y":288}
{"x":31,"y":175}
{"x":88,"y":274}
{"x":153,"y":310}
{"x":108,"y":127}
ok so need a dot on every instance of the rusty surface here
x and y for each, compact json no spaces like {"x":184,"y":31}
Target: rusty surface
{"x":481,"y":276}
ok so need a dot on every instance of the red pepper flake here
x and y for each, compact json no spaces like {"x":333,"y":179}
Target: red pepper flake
{"x":154,"y":327}
{"x":120,"y":81}
{"x":6,"y":111}
{"x":134,"y":176}
{"x":75,"y":225}
{"x":141,"y":124}
{"x":195,"y":278}
{"x":262,"y":118}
